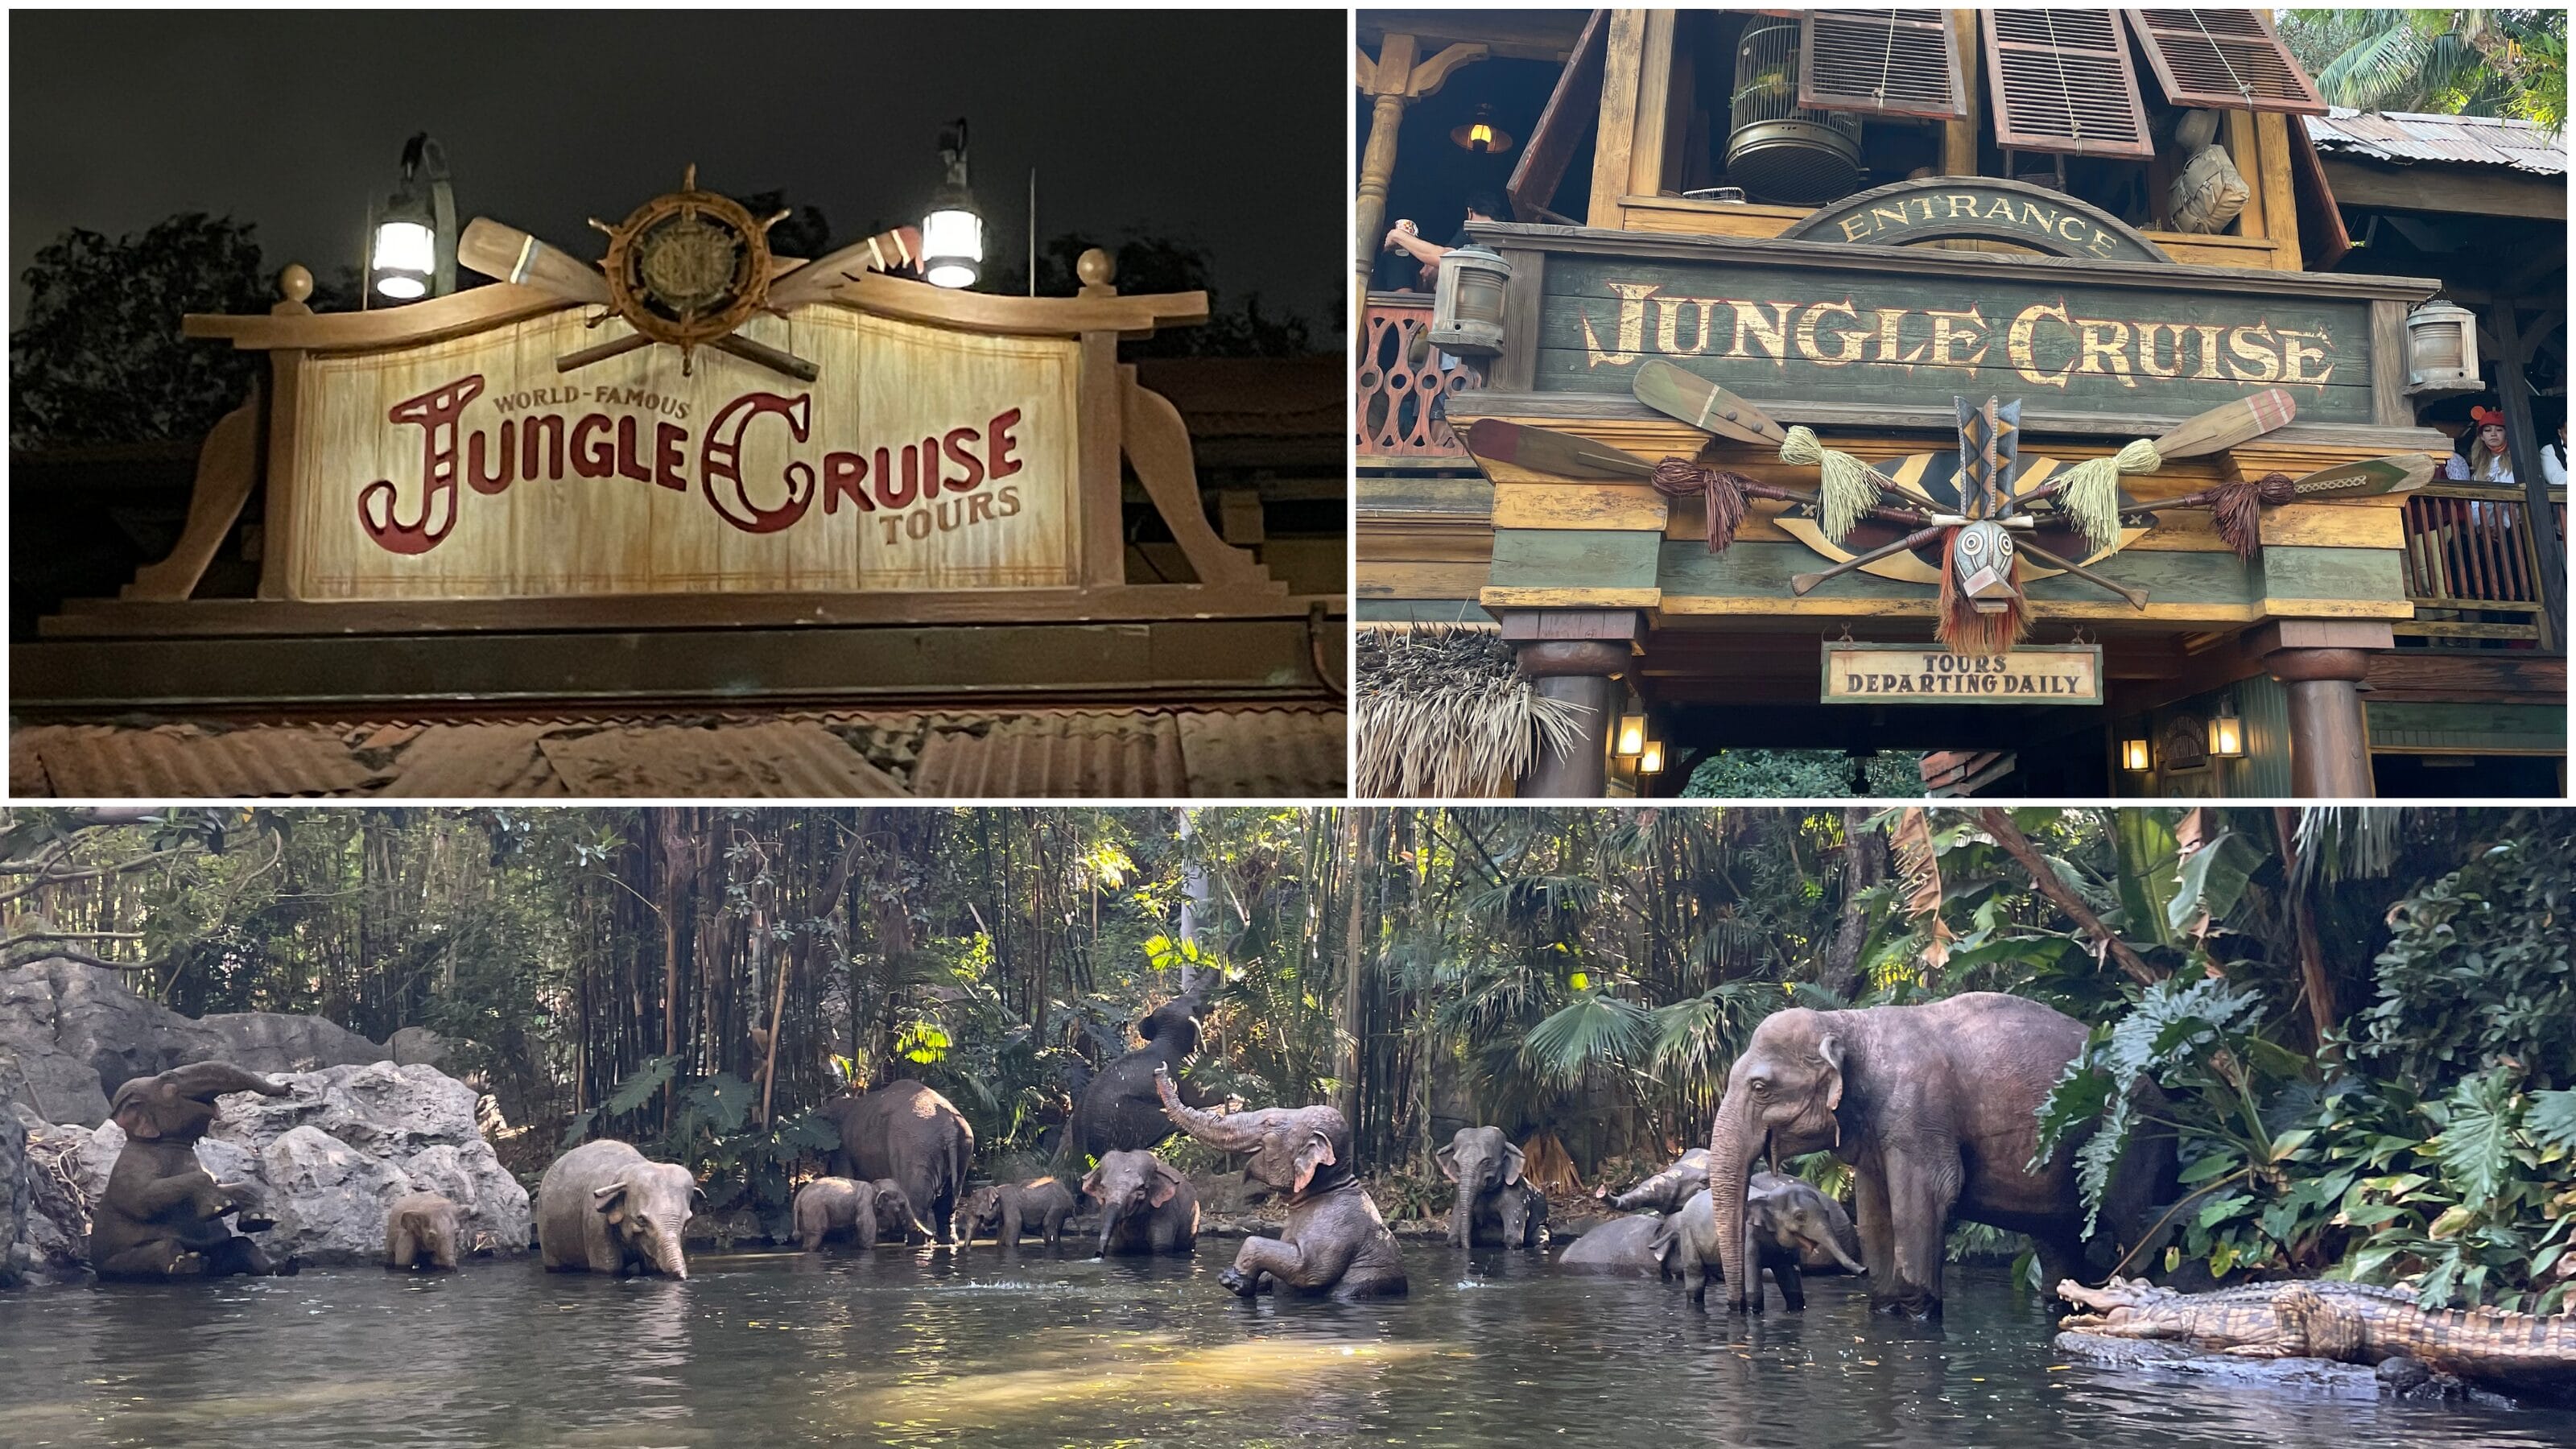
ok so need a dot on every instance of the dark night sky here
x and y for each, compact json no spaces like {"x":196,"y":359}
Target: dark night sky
{"x":1222,"y":128}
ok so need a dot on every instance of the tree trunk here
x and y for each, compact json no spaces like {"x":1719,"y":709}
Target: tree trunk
{"x":1864,"y":865}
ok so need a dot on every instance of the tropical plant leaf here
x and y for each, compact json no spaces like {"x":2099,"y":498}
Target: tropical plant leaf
{"x":2147,"y":852}
{"x":639,"y":1087}
{"x":2212,"y":880}
{"x":1592,"y":1028}
{"x":2551,"y":1120}
{"x":2477,"y":1135}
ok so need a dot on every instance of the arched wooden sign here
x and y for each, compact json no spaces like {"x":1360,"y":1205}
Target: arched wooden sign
{"x":1944,"y":208}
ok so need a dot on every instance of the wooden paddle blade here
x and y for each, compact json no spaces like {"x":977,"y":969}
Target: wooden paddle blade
{"x":511,"y":255}
{"x":1678,"y":393}
{"x":2229,"y":424}
{"x":1549,"y":451}
{"x":890,"y":251}
{"x":2396,"y":473}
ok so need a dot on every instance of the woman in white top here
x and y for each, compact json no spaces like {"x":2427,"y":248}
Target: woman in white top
{"x":2553,"y":460}
{"x":2489,"y":461}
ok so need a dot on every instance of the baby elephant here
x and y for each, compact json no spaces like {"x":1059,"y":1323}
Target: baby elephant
{"x":1495,"y":1204}
{"x":421,"y":1230}
{"x":830,"y":1207}
{"x":897,"y":1218}
{"x":606,"y":1208}
{"x":1009,"y":1209}
{"x":1790,"y":1215}
{"x":1145,"y":1205}
{"x":1780,"y":1214}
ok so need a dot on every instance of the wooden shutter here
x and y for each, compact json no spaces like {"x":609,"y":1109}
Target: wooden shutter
{"x":2225,"y":60}
{"x":1881,"y":62}
{"x":1573,"y":111}
{"x":2062,"y":82}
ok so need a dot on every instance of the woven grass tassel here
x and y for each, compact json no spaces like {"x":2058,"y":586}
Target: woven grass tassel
{"x":1724,"y":492}
{"x":2238,"y":510}
{"x":1849,"y":489}
{"x":2091,"y":493}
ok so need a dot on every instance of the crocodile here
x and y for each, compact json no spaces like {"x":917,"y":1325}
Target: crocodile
{"x":2350,"y":1322}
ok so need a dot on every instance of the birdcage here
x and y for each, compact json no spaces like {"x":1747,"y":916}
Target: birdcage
{"x":1776,"y":149}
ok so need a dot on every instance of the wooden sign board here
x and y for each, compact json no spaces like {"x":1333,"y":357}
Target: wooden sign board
{"x":1899,"y":327}
{"x":1909,"y":213}
{"x":1929,"y":674}
{"x":921,"y":458}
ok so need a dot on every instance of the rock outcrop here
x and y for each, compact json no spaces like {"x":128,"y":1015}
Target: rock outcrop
{"x":71,"y":1034}
{"x":329,"y":1159}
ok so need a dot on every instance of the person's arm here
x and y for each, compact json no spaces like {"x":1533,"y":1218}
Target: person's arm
{"x":2456,"y":468}
{"x":2552,"y":470}
{"x":1416,"y":248}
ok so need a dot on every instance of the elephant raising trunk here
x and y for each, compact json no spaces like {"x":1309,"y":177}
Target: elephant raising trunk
{"x":1334,"y":1241}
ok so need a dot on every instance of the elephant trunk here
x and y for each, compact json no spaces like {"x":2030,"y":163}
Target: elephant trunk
{"x":1208,"y":1127}
{"x":667,"y":1257}
{"x":1731,"y":1146}
{"x":1836,"y":1248}
{"x":209,"y":1080}
{"x":1462,"y":1222}
{"x":1109,"y":1215}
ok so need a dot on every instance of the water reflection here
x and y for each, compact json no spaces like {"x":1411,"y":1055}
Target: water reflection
{"x":918,"y":1347}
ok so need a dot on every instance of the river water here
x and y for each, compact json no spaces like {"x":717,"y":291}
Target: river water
{"x":918,"y":1347}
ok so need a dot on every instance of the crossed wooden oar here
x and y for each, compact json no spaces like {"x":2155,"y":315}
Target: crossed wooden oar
{"x":513,"y":255}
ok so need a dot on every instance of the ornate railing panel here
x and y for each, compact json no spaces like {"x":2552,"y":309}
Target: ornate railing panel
{"x":1396,"y":416}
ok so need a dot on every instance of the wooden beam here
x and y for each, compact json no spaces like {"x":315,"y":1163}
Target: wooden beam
{"x":2455,"y":191}
{"x":2243,"y":149}
{"x":1959,"y":138}
{"x":2272,"y":179}
{"x":1622,"y":75}
{"x":1654,"y":105}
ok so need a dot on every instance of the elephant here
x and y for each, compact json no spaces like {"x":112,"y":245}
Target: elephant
{"x":605,"y":1208}
{"x":421,"y":1230}
{"x":895,"y":1217}
{"x":834,"y":1206}
{"x":1146,"y":1206}
{"x":1780,"y":1213}
{"x":1795,"y":1216}
{"x":907,"y":1132}
{"x":1116,"y":1110}
{"x":1334,"y":1242}
{"x":1936,"y":1109}
{"x":162,"y":1214}
{"x":1667,"y":1191}
{"x":1621,"y":1245}
{"x":1008,"y":1209}
{"x":1494,"y":1205}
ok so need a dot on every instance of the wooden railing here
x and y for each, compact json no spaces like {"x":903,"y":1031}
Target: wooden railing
{"x":2472,"y":564}
{"x":1396,"y":419}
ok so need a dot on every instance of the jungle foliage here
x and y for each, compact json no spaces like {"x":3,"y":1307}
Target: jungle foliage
{"x":2354,"y":1020}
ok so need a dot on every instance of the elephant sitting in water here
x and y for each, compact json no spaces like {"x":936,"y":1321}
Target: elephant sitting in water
{"x":1669,"y":1190}
{"x":1007,"y":1210}
{"x":1494,"y":1204}
{"x":1146,"y":1206}
{"x":1936,"y":1109}
{"x":907,"y":1132}
{"x":604,"y":1207}
{"x":1621,"y":1245}
{"x":162,"y":1214}
{"x":421,"y":1230}
{"x":1334,"y":1241}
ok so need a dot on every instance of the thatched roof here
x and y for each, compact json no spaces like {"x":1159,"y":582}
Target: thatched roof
{"x":1442,"y":711}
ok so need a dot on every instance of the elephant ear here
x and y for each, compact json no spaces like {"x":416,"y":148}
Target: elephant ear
{"x":1513,"y":1159}
{"x":1166,"y":1183}
{"x":1091,"y":1184}
{"x":611,"y":1202}
{"x":135,"y":1111}
{"x":1830,"y":1047}
{"x":1447,"y":1157}
{"x":1317,"y":1152}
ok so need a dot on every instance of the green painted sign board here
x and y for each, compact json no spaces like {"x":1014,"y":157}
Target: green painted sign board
{"x":1872,"y":333}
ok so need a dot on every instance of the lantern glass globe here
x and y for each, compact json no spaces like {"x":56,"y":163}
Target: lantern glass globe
{"x":952,"y":246}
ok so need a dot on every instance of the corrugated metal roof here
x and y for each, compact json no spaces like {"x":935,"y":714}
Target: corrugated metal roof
{"x":186,"y":761}
{"x":1055,"y":755}
{"x":1034,"y":754}
{"x":2405,"y":137}
{"x":1265,"y":752}
{"x":781,"y":759}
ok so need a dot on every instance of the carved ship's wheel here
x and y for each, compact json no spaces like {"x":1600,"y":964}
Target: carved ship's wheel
{"x":689,"y":267}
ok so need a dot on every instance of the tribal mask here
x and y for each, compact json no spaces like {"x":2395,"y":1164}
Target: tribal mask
{"x":1981,"y":608}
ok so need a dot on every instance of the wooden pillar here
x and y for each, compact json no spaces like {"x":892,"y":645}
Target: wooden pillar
{"x":1959,"y":138}
{"x":2271,"y":181}
{"x":1583,"y":673}
{"x":2513,"y":390}
{"x":1395,"y":81}
{"x":1622,"y":64}
{"x":1104,"y":534}
{"x":2321,"y":663}
{"x":2236,"y":131}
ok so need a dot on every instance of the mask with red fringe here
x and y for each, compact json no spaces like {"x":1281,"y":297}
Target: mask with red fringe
{"x":1982,"y":610}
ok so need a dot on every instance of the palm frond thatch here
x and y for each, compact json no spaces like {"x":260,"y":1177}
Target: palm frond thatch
{"x":1443,"y":712}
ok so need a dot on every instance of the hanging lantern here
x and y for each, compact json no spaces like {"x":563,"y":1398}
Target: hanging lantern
{"x":1467,"y":302}
{"x":1774,"y":148}
{"x":411,"y":251}
{"x":1480,"y":135}
{"x":2133,"y":756}
{"x":2226,"y":732}
{"x":1632,"y":735}
{"x":1650,"y":761}
{"x":952,"y":235}
{"x":2442,"y":349}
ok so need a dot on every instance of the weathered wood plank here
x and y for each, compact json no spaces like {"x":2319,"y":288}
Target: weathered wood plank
{"x":2326,"y":525}
{"x":1422,"y":580}
{"x":2333,"y":573}
{"x":1574,"y":558}
{"x":2482,"y":728}
{"x":1400,"y":494}
{"x":2388,"y":404}
{"x":1578,"y":505}
{"x":1511,"y":597}
{"x":1441,"y":544}
{"x":1386,"y":612}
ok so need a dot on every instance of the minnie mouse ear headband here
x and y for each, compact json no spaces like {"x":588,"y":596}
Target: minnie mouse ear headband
{"x":2487,"y":417}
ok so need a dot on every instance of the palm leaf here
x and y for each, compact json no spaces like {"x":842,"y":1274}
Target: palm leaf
{"x":1591,"y":1029}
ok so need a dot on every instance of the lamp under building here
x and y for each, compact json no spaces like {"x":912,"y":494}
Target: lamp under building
{"x":1650,"y":760}
{"x":2133,"y":756}
{"x":952,"y":235}
{"x":1467,"y":302}
{"x":1632,"y":735}
{"x":2442,"y":349}
{"x":1480,"y":135}
{"x":2226,"y":733}
{"x":411,"y":250}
